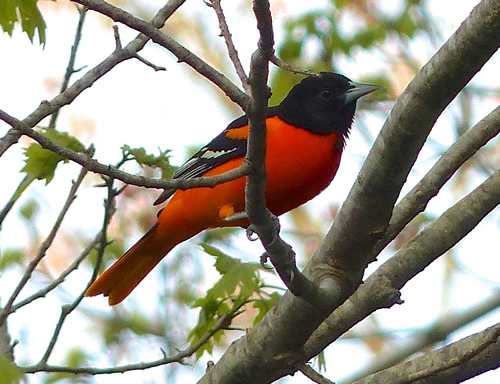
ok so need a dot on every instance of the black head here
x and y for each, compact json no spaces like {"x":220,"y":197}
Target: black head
{"x":324,"y":103}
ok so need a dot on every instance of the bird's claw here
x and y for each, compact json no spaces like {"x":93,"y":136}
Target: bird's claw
{"x":263,"y":260}
{"x":251,"y":233}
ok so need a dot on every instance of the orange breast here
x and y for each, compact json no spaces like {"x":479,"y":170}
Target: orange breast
{"x":299,"y":166}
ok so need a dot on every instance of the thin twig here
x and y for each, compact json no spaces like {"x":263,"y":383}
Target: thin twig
{"x":109,"y":210}
{"x":44,"y":246}
{"x":118,"y":45}
{"x":231,"y":49}
{"x":25,"y":182}
{"x":55,"y":283}
{"x":287,"y":67}
{"x":157,"y":68}
{"x":108,"y":170}
{"x":70,"y":69}
{"x":182,"y":53}
{"x":312,"y":375}
{"x":222,"y":323}
{"x":417,"y":199}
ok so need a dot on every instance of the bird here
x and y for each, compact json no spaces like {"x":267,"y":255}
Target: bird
{"x":305,"y":135}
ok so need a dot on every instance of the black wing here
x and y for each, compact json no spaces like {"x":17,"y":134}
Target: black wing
{"x":217,"y":152}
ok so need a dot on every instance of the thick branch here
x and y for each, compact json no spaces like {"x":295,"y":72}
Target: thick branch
{"x":381,"y":289}
{"x":435,"y":333}
{"x":369,"y":205}
{"x":454,"y":363}
{"x":273,"y":347}
{"x":416,"y":200}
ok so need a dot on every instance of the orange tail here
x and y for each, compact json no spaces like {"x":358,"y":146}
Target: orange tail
{"x":123,"y":276}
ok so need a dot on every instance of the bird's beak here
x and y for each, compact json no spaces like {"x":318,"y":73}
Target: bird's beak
{"x":359,"y":89}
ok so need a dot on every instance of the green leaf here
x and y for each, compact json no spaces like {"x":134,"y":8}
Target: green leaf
{"x":11,"y":256}
{"x":8,"y":15}
{"x":238,"y":282}
{"x":29,"y":209}
{"x":406,"y":24}
{"x":11,"y":374}
{"x":41,"y":163}
{"x":143,"y":158}
{"x":223,"y":262}
{"x":235,"y":273}
{"x":76,"y":357}
{"x":26,"y":13}
{"x":290,"y":49}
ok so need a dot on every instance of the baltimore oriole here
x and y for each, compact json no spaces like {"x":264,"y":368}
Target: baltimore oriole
{"x":306,"y":134}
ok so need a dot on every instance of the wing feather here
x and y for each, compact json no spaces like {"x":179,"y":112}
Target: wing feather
{"x":220,"y":150}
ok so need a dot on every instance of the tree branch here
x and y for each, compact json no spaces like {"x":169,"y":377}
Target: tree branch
{"x":312,"y":375}
{"x":231,"y":49}
{"x":267,"y":227}
{"x":108,"y":170}
{"x":183,"y":55}
{"x":435,"y":333}
{"x":47,"y":108}
{"x":176,"y":358}
{"x":109,"y":211}
{"x":70,"y":68}
{"x":44,"y":246}
{"x":55,"y":283}
{"x":273,"y":347}
{"x":454,"y":363}
{"x":369,"y":205}
{"x":381,"y":289}
{"x":287,"y":67}
{"x":417,"y":199}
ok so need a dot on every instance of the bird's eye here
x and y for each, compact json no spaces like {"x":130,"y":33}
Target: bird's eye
{"x":326,"y":94}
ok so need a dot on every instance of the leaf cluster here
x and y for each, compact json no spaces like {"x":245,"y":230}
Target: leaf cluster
{"x":325,"y":29}
{"x":146,"y":159}
{"x":26,"y":13}
{"x":41,"y":163}
{"x":240,"y":283}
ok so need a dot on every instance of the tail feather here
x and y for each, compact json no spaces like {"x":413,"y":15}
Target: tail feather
{"x":123,"y":276}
